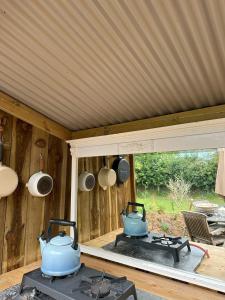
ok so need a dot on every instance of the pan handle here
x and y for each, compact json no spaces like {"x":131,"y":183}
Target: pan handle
{"x":41,"y":162}
{"x":104,"y":161}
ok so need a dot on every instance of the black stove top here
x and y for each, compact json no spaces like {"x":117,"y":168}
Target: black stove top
{"x":167,"y":240}
{"x":170,"y":244}
{"x":87,"y":284}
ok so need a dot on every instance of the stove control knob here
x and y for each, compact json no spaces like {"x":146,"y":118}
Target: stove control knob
{"x":62,"y":233}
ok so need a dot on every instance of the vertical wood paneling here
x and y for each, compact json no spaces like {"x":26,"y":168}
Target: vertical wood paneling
{"x":95,"y":203}
{"x":7,"y":137}
{"x":104,"y":206}
{"x":55,"y":201}
{"x":22,"y":216}
{"x":17,"y":203}
{"x":114,"y":211}
{"x":107,"y":204}
{"x":35,"y":213}
{"x":83,"y":207}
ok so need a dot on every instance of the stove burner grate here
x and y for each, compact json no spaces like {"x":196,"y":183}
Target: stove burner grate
{"x":99,"y":287}
{"x":86,"y":284}
{"x":153,"y":241}
{"x":167,"y":240}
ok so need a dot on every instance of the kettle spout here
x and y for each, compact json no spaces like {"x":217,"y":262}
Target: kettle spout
{"x":123,"y":215}
{"x":42,"y":243}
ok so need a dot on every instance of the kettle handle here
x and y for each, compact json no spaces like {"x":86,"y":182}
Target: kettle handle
{"x":135,"y":204}
{"x":62,"y":222}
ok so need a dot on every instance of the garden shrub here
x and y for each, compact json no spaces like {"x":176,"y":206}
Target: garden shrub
{"x":179,"y":190}
{"x":164,"y":227}
{"x":154,"y":170}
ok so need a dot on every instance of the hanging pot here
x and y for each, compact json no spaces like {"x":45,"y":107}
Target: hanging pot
{"x":40,"y":184}
{"x":86,"y":180}
{"x":106,"y":176}
{"x":122,"y":168}
{"x":8,"y":177}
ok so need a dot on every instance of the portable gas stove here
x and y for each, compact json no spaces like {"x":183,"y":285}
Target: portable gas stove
{"x":86,"y":284}
{"x":155,"y":241}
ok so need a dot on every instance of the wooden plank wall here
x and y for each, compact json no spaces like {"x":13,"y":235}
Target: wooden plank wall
{"x":99,"y":210}
{"x":22,"y":216}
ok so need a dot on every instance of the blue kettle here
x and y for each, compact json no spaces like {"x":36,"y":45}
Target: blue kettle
{"x":135,"y":223}
{"x":60,"y":254}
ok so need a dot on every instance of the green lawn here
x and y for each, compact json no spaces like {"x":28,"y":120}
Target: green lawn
{"x":154,"y":201}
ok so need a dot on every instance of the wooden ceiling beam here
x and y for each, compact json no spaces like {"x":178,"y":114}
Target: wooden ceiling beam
{"x":202,"y":114}
{"x":29,"y":115}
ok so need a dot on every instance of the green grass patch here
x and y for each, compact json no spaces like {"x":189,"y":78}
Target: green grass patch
{"x":162,"y":202}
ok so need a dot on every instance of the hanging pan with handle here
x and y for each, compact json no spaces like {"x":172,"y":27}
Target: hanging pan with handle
{"x":106,"y":176}
{"x":122,"y":168}
{"x":86,"y":180}
{"x":40,"y":184}
{"x":8,"y":177}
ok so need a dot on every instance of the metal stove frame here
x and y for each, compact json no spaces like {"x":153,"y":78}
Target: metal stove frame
{"x":68,"y":288}
{"x":147,"y":243}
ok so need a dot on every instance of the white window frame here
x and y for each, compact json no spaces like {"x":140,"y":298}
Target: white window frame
{"x":192,"y":136}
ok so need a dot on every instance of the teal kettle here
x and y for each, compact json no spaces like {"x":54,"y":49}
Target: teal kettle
{"x":135,"y":223}
{"x":61,"y":253}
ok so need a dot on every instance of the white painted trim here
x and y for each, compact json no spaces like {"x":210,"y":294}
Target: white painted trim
{"x":74,"y":187}
{"x":192,"y":136}
{"x":194,"y":128}
{"x":197,"y":279}
{"x":198,"y":135}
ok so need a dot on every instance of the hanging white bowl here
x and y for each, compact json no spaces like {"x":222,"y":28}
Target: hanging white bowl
{"x":8,"y":181}
{"x":86,"y":182}
{"x":40,"y":184}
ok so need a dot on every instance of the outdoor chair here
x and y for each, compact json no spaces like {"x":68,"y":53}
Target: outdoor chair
{"x":199,"y":230}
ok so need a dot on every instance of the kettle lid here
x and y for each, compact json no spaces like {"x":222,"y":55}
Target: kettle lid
{"x":61,"y":240}
{"x":134,"y":215}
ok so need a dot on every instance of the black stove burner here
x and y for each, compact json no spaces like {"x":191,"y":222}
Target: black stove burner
{"x":154,"y":241}
{"x":100,"y":288}
{"x":87,"y":284}
{"x":167,"y":240}
{"x":52,"y":278}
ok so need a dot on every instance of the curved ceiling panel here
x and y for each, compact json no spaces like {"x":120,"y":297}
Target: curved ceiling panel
{"x":92,"y":63}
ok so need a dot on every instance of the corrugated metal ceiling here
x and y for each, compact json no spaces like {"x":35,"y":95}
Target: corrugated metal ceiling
{"x":91,"y":63}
